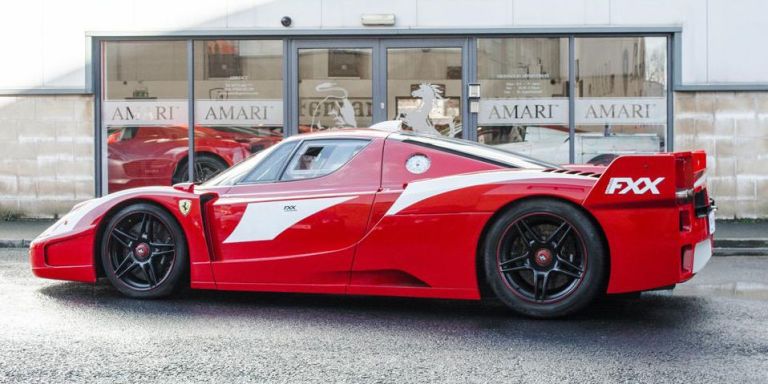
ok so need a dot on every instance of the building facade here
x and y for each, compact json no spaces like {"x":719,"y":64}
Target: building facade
{"x":99,"y":97}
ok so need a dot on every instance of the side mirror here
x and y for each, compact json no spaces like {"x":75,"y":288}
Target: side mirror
{"x":185,"y":187}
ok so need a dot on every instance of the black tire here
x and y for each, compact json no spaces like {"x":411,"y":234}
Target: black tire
{"x":545,"y":258}
{"x":144,"y":252}
{"x":206,"y":166}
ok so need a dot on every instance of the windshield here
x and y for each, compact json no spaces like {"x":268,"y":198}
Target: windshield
{"x":232,"y":175}
{"x":475,"y":150}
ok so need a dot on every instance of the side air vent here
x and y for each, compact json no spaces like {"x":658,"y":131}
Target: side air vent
{"x":573,"y":172}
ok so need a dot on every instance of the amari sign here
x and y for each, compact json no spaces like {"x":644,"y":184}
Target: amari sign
{"x":144,"y":112}
{"x":263,"y":113}
{"x":589,"y":111}
{"x":551,"y":111}
{"x":239,"y":112}
{"x":621,"y":111}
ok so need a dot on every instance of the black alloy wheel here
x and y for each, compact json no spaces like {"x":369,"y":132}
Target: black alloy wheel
{"x":542,"y":258}
{"x":143,"y":251}
{"x":205,"y":168}
{"x":545,"y":258}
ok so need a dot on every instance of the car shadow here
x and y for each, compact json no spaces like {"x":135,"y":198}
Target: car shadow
{"x":651,"y":310}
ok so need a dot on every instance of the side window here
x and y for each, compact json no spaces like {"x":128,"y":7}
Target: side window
{"x":317,"y":158}
{"x":269,"y":168}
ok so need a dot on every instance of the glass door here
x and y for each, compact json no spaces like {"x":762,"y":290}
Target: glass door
{"x":425,"y":84}
{"x":334,"y":84}
{"x":357,"y":83}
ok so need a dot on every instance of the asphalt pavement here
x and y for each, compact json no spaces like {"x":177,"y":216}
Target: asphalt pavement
{"x":711,"y":329}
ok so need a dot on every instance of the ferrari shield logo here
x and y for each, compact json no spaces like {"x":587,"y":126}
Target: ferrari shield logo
{"x":184,"y":206}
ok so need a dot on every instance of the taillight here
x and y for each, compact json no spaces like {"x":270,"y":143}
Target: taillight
{"x":686,"y":259}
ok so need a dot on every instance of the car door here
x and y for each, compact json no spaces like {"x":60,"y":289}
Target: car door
{"x":292,"y":224}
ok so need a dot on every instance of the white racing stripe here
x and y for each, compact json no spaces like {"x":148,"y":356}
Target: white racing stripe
{"x":266,"y":220}
{"x":418,"y":191}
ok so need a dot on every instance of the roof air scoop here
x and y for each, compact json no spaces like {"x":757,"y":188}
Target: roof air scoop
{"x":388,"y":126}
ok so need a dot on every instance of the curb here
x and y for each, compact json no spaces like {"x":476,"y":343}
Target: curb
{"x":14,"y":243}
{"x":740,"y":247}
{"x":741,"y":243}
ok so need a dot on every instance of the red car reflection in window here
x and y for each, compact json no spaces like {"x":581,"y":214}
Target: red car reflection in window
{"x":143,"y":156}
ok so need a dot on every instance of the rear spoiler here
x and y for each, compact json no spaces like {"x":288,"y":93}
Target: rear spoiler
{"x":664,"y":178}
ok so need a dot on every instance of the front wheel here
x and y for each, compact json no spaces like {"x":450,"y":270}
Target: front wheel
{"x":545,"y":258}
{"x":144,"y":252}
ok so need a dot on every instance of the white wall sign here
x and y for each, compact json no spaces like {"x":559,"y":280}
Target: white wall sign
{"x":621,"y":110}
{"x":239,"y":112}
{"x":144,"y":112}
{"x":552,"y":111}
{"x":207,"y":112}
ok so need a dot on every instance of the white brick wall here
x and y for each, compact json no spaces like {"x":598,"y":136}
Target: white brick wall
{"x":46,"y":147}
{"x":733,"y":128}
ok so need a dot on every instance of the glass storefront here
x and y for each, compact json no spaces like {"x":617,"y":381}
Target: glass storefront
{"x":238,"y":102}
{"x":621,"y":97}
{"x":144,"y":112}
{"x":251,"y":93}
{"x":524,"y":96}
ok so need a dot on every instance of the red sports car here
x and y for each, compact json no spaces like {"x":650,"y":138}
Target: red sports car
{"x":376,"y":212}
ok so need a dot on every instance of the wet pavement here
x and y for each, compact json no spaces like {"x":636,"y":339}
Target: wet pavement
{"x":711,"y":329}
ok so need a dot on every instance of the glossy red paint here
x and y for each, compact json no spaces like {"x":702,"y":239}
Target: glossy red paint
{"x":378,"y":229}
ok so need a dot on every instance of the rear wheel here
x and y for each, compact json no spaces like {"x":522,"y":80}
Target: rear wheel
{"x":143,"y":252}
{"x":545,"y":258}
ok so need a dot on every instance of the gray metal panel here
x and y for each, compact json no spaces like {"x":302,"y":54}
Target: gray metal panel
{"x":288,"y":79}
{"x":322,"y":33}
{"x":670,"y":139}
{"x":723,"y":87}
{"x":471,"y":57}
{"x":571,"y":99}
{"x":43,"y":91}
{"x":191,"y":110}
{"x":99,"y":136}
{"x":380,"y":84}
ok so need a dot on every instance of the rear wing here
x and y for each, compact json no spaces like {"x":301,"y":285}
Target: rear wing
{"x":650,"y":180}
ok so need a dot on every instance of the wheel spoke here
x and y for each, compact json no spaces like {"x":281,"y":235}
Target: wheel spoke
{"x":528,"y":235}
{"x":161,"y":253}
{"x":516,"y":268}
{"x":567,"y":273}
{"x":143,"y":232}
{"x":569,"y":264}
{"x":558,"y":235}
{"x":123,"y":238}
{"x":125,"y":266}
{"x":514,"y":259}
{"x":540,"y":281}
{"x":162,"y":245}
{"x":149,"y":272}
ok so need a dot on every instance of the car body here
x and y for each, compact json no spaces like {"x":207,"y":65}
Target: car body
{"x":154,"y":155}
{"x":382,"y":224}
